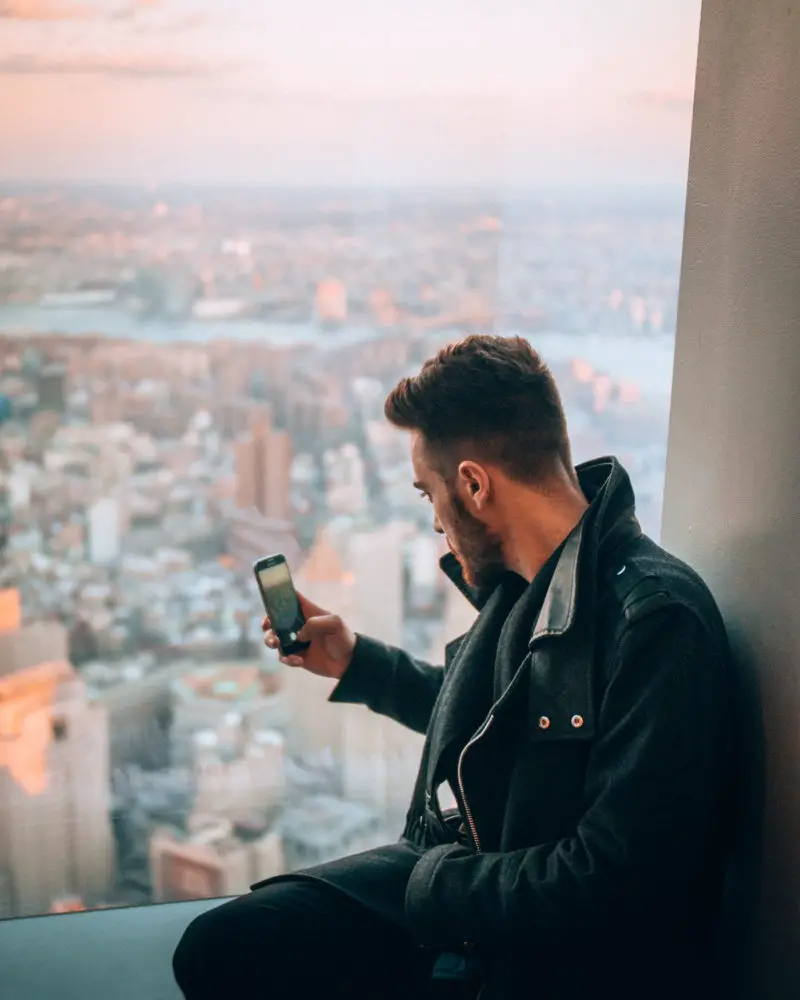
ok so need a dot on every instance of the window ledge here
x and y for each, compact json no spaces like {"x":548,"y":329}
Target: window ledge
{"x":124,"y":954}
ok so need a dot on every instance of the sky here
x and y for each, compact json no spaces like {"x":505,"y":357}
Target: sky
{"x":385,"y":92}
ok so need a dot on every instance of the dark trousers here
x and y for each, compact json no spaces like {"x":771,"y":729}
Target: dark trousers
{"x":300,"y":938}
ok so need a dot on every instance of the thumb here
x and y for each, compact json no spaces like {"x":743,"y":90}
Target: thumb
{"x":319,"y":626}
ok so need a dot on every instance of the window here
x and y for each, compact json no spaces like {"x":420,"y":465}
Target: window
{"x":223,"y":237}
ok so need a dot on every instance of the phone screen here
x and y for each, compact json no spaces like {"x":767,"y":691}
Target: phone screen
{"x":280,"y":600}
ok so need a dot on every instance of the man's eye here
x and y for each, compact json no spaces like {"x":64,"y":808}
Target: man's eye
{"x":425,"y":496}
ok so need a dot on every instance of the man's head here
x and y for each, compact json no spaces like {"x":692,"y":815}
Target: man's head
{"x":488,"y":435}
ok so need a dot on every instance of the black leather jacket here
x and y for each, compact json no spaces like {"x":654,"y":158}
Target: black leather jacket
{"x":599,"y":863}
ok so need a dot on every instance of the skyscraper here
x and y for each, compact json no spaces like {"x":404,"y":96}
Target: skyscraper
{"x":315,"y":729}
{"x":263,"y":467}
{"x":214,"y":860}
{"x":330,"y":301}
{"x":260,"y":520}
{"x":104,"y":531}
{"x":55,"y":831}
{"x":380,"y":757}
{"x":358,"y":574}
{"x":52,"y":388}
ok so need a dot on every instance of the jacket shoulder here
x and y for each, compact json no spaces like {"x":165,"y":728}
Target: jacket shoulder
{"x":644,"y":578}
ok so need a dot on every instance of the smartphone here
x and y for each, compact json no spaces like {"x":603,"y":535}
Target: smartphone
{"x":281,"y":602}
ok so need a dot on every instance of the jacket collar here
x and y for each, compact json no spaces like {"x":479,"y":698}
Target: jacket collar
{"x":609,"y":521}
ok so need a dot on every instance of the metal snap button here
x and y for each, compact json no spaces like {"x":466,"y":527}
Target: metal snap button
{"x":577,"y":721}
{"x":544,"y":722}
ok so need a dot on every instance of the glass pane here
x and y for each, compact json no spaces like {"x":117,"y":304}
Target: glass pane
{"x":226,"y":230}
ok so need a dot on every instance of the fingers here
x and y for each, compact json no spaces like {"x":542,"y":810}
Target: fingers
{"x":319,"y":626}
{"x":315,"y":628}
{"x":310,"y":609}
{"x":272,"y":642}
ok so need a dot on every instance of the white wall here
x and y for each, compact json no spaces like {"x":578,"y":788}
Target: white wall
{"x":732,"y":501}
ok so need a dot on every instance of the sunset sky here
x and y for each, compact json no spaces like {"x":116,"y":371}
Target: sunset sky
{"x":347,"y":91}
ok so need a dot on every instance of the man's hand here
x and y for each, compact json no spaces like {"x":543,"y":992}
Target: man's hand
{"x":332,"y":642}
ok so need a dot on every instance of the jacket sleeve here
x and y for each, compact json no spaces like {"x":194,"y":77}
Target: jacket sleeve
{"x":653,"y":778}
{"x":391,"y":683}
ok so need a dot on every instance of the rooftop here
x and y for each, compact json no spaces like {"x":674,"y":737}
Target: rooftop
{"x":231,"y":682}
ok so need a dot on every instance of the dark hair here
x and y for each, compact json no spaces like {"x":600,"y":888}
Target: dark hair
{"x":494,"y":394}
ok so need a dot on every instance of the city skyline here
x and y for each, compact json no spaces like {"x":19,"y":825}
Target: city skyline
{"x":165,"y":91}
{"x":189,"y":381}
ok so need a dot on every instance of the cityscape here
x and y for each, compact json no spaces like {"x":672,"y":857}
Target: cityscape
{"x":194,"y":377}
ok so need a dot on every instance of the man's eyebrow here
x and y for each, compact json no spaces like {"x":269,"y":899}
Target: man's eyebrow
{"x":420,"y":486}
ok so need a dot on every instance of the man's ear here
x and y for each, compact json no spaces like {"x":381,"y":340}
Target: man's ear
{"x":475,"y":483}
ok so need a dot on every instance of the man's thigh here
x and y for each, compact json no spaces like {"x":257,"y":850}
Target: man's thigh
{"x":294,"y":936}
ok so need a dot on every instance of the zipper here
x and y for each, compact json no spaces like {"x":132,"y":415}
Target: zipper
{"x":490,"y":718}
{"x":469,"y":817}
{"x":479,"y":735}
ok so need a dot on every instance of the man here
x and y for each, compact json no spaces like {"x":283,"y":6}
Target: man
{"x":583,"y":724}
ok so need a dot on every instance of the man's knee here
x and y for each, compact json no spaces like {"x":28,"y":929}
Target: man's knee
{"x":207,"y":951}
{"x":227,"y":943}
{"x":187,"y":956}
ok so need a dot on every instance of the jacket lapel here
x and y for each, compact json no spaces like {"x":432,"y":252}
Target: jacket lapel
{"x":466,"y":693}
{"x":558,"y":608}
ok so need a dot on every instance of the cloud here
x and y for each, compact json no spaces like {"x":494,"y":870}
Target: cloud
{"x":45,"y":10}
{"x":129,"y":11}
{"x":123,"y":67}
{"x":656,"y":101}
{"x":73,"y":10}
{"x":396,"y":104}
{"x":188,"y":22}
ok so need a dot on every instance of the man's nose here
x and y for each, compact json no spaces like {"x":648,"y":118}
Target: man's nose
{"x":437,"y":525}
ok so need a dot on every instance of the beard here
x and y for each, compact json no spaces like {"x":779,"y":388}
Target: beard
{"x":476,"y":546}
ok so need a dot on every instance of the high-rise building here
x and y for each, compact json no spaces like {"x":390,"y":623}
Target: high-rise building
{"x":138,"y":703}
{"x":357,"y":574}
{"x":277,"y":480}
{"x":263,"y":468}
{"x":55,"y":831}
{"x":220,"y":859}
{"x":238,"y":775}
{"x":249,"y":535}
{"x":315,"y":725}
{"x":424,"y":577}
{"x":52,"y":381}
{"x":380,"y":757}
{"x":24,"y":646}
{"x":330,"y":301}
{"x":345,"y":480}
{"x":375,"y":559}
{"x":10,"y":611}
{"x":104,"y":536}
{"x":259,"y":522}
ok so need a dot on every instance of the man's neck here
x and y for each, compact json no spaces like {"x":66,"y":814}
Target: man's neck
{"x":536,"y":528}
